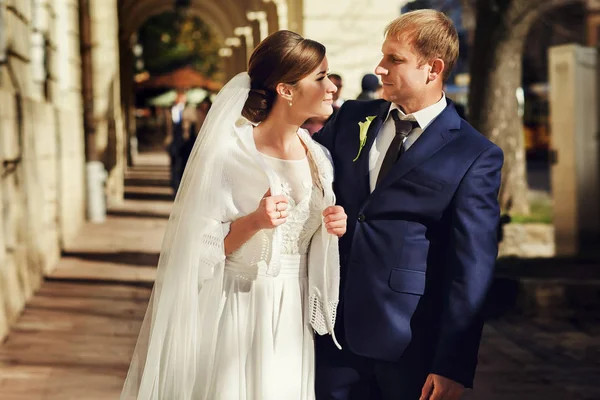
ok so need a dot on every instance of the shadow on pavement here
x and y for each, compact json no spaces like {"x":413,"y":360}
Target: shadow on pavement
{"x":119,"y":257}
{"x":148,"y":196}
{"x":137,"y":214}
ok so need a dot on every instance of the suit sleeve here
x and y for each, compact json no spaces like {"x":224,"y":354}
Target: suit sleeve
{"x":475,"y":215}
{"x":327,"y":134}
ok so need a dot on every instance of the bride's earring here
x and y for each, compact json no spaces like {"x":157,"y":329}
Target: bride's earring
{"x":290,"y":103}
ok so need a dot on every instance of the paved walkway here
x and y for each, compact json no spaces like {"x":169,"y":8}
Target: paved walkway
{"x":523,"y":359}
{"x":76,"y":335}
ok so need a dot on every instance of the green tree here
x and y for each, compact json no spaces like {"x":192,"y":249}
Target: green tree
{"x":496,"y":74}
{"x":171,"y":40}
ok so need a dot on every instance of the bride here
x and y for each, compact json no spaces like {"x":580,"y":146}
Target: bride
{"x":249,"y":264}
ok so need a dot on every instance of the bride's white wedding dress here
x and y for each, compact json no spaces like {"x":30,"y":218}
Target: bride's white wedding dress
{"x":264,"y":345}
{"x":239,"y":327}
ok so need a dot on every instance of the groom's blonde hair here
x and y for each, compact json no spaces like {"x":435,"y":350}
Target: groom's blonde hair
{"x":431,"y":34}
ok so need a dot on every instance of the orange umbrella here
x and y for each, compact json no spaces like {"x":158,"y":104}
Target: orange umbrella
{"x":181,"y":79}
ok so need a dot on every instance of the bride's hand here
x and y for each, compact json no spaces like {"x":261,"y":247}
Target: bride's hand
{"x":271,"y":212}
{"x":334,"y":218}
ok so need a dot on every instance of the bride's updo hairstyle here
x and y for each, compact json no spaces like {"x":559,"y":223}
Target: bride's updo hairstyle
{"x":283,"y":57}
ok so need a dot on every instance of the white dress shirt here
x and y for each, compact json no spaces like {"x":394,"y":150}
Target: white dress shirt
{"x":176,"y":112}
{"x":423,"y":117}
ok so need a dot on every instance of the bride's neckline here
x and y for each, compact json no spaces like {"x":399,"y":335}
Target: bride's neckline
{"x":283,"y":159}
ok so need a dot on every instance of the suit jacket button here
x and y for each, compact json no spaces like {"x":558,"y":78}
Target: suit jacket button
{"x":361,"y":217}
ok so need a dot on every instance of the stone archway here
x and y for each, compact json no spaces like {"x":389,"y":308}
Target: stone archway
{"x":239,"y":25}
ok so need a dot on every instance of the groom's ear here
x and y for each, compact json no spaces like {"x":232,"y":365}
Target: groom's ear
{"x":436,"y":69}
{"x":284,"y":90}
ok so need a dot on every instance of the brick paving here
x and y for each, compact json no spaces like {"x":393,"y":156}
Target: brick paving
{"x":76,"y":335}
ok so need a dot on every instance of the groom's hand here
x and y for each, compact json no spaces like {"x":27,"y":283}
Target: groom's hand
{"x":334,"y":218}
{"x":439,"y":388}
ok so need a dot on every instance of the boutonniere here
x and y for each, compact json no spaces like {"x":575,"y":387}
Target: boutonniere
{"x":362,"y":136}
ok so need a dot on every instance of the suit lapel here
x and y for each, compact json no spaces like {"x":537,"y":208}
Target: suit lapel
{"x":436,"y":136}
{"x":362,"y":164}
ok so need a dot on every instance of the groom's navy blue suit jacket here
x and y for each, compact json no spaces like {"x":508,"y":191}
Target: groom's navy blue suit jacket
{"x":419,"y":252}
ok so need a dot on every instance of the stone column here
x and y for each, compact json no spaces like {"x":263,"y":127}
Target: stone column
{"x":574,"y":174}
{"x":39,"y":136}
{"x":107,"y":96}
{"x":226,"y":55}
{"x":238,"y":56}
{"x":127,"y":96}
{"x":69,"y":117}
{"x":295,"y":13}
{"x":247,"y":39}
{"x":272,"y":16}
{"x":281,"y":12}
{"x":260,"y":26}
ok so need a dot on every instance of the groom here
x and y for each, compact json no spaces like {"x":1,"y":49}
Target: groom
{"x":419,"y":186}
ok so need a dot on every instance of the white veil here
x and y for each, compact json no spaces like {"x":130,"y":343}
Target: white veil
{"x":166,"y":360}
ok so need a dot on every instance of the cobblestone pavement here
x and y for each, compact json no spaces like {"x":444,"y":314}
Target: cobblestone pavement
{"x":523,"y":359}
{"x":76,"y":335}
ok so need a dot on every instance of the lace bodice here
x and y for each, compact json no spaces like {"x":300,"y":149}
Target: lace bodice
{"x":304,"y":203}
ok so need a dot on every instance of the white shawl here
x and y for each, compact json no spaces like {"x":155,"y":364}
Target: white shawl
{"x":244,"y":171}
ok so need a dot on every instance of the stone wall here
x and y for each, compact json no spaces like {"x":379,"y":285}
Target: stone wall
{"x":527,"y":241}
{"x":41,"y":145}
{"x":352,"y":31}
